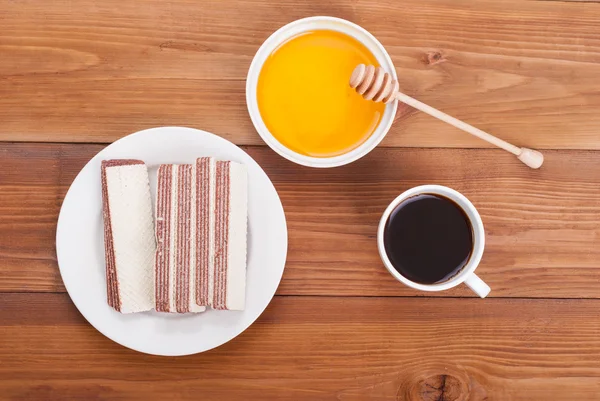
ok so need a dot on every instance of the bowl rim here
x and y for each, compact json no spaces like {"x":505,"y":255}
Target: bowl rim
{"x":283,"y":34}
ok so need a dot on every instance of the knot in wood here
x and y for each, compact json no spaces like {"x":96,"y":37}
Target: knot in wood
{"x":437,"y":387}
{"x":433,"y":58}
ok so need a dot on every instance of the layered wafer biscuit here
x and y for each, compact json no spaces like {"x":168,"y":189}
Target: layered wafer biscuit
{"x":230,"y":229}
{"x":129,"y":239}
{"x":201,"y":225}
{"x":205,"y":223}
{"x":175,"y":260}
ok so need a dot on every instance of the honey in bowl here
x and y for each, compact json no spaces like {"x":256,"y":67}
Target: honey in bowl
{"x":304,"y":98}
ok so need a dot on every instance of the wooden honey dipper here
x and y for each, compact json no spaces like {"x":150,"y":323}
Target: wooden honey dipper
{"x":377,"y":85}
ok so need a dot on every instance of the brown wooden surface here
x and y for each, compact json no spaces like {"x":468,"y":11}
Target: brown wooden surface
{"x":385,"y":349}
{"x":542,"y":227}
{"x":75,"y":75}
{"x":516,"y":68}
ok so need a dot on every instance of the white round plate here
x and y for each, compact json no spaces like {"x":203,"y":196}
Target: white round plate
{"x":80,"y":247}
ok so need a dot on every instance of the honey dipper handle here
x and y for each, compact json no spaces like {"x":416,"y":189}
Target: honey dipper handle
{"x":529,"y":157}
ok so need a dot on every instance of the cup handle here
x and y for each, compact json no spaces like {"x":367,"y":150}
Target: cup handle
{"x":478,"y":285}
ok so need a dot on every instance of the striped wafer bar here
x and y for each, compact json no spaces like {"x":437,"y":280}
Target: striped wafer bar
{"x":222,"y":214}
{"x":205,"y":223}
{"x":175,"y":262}
{"x":128,"y":235}
{"x":201,"y":225}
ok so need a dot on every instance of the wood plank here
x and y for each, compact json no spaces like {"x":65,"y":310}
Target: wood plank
{"x":543,"y":227}
{"x":93,"y":72}
{"x":352,"y":349}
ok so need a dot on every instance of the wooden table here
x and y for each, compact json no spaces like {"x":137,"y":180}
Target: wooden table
{"x":76,"y":75}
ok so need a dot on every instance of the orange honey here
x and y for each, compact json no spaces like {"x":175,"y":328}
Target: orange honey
{"x":304,"y":97}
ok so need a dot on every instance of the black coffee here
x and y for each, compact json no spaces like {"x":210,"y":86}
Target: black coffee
{"x":428,"y":238}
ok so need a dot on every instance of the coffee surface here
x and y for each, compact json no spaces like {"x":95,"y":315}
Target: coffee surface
{"x":428,"y":239}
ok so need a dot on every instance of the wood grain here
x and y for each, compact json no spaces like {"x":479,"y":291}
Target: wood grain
{"x":353,"y":349}
{"x":93,"y":72}
{"x":543,"y":227}
{"x":341,"y":328}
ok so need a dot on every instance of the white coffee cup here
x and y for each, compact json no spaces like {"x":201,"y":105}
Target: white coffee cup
{"x":467,"y":274}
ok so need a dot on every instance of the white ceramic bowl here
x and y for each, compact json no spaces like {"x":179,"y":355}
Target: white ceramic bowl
{"x":305,"y":25}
